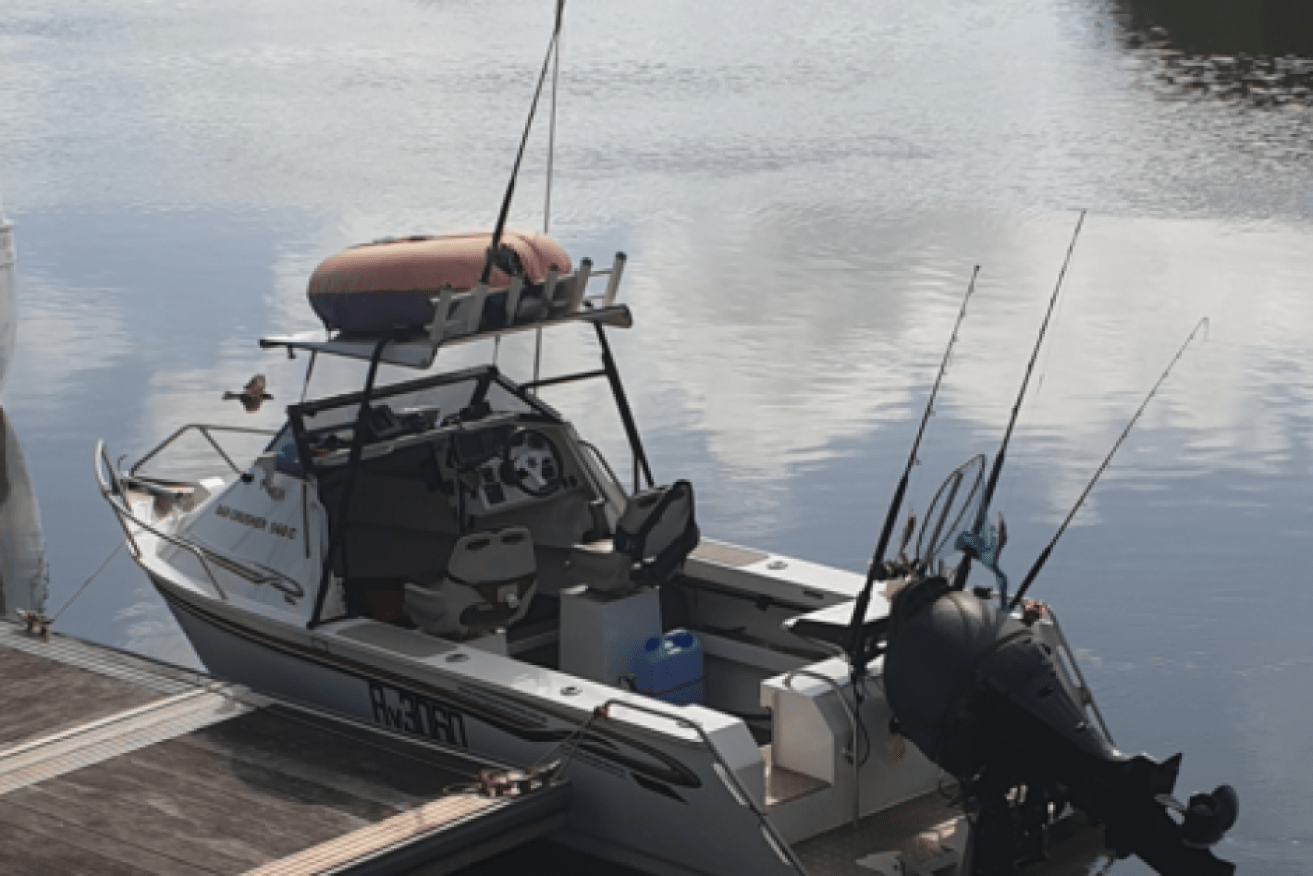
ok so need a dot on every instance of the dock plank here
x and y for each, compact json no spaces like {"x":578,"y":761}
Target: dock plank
{"x":47,"y":697}
{"x":377,"y":837}
{"x":136,"y":669}
{"x":312,"y":816}
{"x":51,"y":856}
{"x":149,"y":827}
{"x":175,"y":761}
{"x":87,"y":744}
{"x":76,"y":849}
{"x":268,"y":831}
{"x":382,"y":770}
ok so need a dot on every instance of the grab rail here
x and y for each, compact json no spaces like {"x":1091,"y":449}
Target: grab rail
{"x":777,"y":843}
{"x":852,"y":724}
{"x":205,"y":431}
{"x":113,"y":486}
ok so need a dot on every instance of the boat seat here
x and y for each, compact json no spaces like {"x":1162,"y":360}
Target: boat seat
{"x":653,"y":537}
{"x":489,"y":583}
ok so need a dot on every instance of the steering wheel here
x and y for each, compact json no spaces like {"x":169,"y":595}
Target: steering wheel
{"x":531,"y":462}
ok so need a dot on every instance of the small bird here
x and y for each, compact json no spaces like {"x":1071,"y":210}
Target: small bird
{"x":252,"y":395}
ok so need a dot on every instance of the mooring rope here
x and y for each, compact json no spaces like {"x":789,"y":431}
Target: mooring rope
{"x":118,"y":547}
{"x":39,"y":625}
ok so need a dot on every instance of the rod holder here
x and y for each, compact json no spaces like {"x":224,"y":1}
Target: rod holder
{"x":475,"y":303}
{"x":441,"y":312}
{"x":580,"y":285}
{"x":513,"y":298}
{"x":613,"y":284}
{"x":549,"y":289}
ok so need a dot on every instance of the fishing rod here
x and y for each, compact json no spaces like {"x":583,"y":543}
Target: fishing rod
{"x":855,"y":650}
{"x":551,"y":140}
{"x":1044,"y":555}
{"x":970,"y":546}
{"x":528,"y":125}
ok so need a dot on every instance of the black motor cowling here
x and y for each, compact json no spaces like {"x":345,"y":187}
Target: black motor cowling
{"x":979,"y":693}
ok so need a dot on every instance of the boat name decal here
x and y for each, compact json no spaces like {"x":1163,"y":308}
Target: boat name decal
{"x":254,"y":522}
{"x":409,"y":712}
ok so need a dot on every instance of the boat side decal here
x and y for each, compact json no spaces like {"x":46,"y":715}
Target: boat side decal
{"x":400,"y":709}
{"x":241,"y":517}
{"x":258,"y":523}
{"x":525,"y":721}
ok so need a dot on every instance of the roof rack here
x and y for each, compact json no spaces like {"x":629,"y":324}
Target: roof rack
{"x":470,"y":315}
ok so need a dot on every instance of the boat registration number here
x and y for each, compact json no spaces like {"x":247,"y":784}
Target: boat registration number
{"x":409,"y":712}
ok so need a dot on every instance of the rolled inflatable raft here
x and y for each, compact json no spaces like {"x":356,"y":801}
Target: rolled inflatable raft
{"x":380,"y":286}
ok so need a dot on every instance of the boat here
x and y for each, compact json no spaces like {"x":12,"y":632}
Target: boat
{"x":447,"y":556}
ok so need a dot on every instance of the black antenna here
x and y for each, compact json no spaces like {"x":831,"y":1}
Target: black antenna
{"x":528,"y":125}
{"x":855,"y":650}
{"x":969,"y":552}
{"x":1044,"y":555}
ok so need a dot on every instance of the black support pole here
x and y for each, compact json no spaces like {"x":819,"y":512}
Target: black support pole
{"x":337,"y":535}
{"x":622,"y":405}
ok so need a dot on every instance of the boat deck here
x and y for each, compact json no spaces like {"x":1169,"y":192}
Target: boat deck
{"x":110,"y":763}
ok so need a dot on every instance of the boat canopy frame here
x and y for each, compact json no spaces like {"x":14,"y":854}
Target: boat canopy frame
{"x":484,"y":376}
{"x":460,"y":318}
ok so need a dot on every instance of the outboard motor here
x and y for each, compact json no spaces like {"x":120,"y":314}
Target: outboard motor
{"x":979,"y":693}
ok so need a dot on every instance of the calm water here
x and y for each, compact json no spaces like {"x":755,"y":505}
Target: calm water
{"x":803,"y":194}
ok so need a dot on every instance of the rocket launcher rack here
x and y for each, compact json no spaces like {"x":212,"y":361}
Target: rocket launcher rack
{"x":481,"y":313}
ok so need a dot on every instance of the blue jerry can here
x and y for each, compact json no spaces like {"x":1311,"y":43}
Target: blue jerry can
{"x":669,"y":668}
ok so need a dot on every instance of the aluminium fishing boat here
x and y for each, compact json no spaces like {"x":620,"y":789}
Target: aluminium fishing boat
{"x":446,"y":556}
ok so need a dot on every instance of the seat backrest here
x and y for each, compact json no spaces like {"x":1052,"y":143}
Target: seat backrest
{"x":489,"y":583}
{"x":492,"y":557}
{"x":437,"y":611}
{"x":658,"y":530}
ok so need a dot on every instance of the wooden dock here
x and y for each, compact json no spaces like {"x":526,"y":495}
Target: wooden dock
{"x":115,"y":764}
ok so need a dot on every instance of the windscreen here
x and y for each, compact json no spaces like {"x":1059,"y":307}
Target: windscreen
{"x":415,"y":407}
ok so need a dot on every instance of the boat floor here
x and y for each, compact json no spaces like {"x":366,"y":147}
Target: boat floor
{"x":1074,"y":850}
